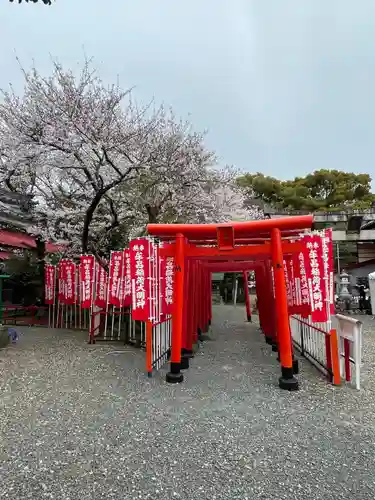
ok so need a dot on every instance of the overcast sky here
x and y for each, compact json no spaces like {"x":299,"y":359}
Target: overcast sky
{"x":283,"y":86}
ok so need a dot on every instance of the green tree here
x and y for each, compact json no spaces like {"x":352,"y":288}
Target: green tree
{"x":325,"y":190}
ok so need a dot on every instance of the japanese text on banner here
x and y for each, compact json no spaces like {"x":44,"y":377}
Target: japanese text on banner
{"x":127,"y":286}
{"x":62,"y":278}
{"x":292,"y":280}
{"x":50,"y":276}
{"x":115,"y":278}
{"x":101,"y":287}
{"x":167,"y":275}
{"x":87,"y":280}
{"x":315,"y":278}
{"x":70,"y":282}
{"x":329,"y":268}
{"x":78,"y":284}
{"x":140,"y":266}
{"x":303,"y":277}
{"x":288,"y":284}
{"x":60,"y":281}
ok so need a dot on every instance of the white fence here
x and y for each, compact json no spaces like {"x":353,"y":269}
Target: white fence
{"x":350,"y":347}
{"x":334,"y":351}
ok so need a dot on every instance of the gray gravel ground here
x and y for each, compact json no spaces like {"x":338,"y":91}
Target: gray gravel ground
{"x":84,"y":422}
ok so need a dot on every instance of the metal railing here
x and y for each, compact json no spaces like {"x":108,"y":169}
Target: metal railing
{"x":158,"y":343}
{"x":116,"y":325}
{"x":318,"y":344}
{"x":25,"y":315}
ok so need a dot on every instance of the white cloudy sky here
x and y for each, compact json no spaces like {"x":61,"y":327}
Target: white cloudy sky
{"x":283,"y":86}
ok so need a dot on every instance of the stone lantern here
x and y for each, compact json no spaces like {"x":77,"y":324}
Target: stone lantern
{"x":345,"y":297}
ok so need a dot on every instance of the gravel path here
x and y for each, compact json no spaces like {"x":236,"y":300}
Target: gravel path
{"x":84,"y":422}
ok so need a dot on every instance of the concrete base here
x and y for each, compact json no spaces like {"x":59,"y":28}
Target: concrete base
{"x":288,"y":384}
{"x":174,"y":378}
{"x":295,"y":366}
{"x":187,"y":353}
{"x":287,"y":381}
{"x":184,"y":362}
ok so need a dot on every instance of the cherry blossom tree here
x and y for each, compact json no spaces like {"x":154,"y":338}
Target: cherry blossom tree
{"x":100,"y":167}
{"x":80,"y":139}
{"x":185,"y":184}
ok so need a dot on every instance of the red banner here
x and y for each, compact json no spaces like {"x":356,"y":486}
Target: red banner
{"x":49,"y":284}
{"x":62,"y":285}
{"x":167,"y":283}
{"x":140,"y":276}
{"x":297,"y":279}
{"x":329,"y":268}
{"x":78,"y":284}
{"x":315,"y":278}
{"x":115,"y":277}
{"x":292,"y":280}
{"x":87,"y":280}
{"x":272,"y":280}
{"x":101,"y":287}
{"x":304,"y":294}
{"x":69,"y":282}
{"x":127,"y":280}
{"x":60,"y":281}
{"x":288,"y":283}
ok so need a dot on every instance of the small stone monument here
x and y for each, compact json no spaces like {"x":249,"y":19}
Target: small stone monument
{"x":345,"y":297}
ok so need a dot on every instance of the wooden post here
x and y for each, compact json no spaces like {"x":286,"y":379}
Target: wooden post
{"x":149,"y":347}
{"x":335,"y":358}
{"x":175,"y":376}
{"x":287,"y":380}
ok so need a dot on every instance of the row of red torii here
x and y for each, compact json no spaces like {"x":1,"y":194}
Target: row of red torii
{"x":164,"y":282}
{"x":236,"y":246}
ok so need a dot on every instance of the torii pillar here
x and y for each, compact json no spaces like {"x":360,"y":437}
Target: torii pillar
{"x":284,"y":340}
{"x":174,"y":376}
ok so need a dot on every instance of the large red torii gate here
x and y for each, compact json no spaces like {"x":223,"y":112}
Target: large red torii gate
{"x":257,"y":241}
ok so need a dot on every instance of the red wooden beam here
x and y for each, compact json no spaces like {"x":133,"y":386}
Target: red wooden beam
{"x":225,"y":238}
{"x":237,"y":241}
{"x":207,"y":231}
{"x":259,"y":251}
{"x":230,"y":267}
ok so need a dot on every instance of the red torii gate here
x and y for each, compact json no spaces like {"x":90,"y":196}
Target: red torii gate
{"x":257,"y":241}
{"x":236,"y":267}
